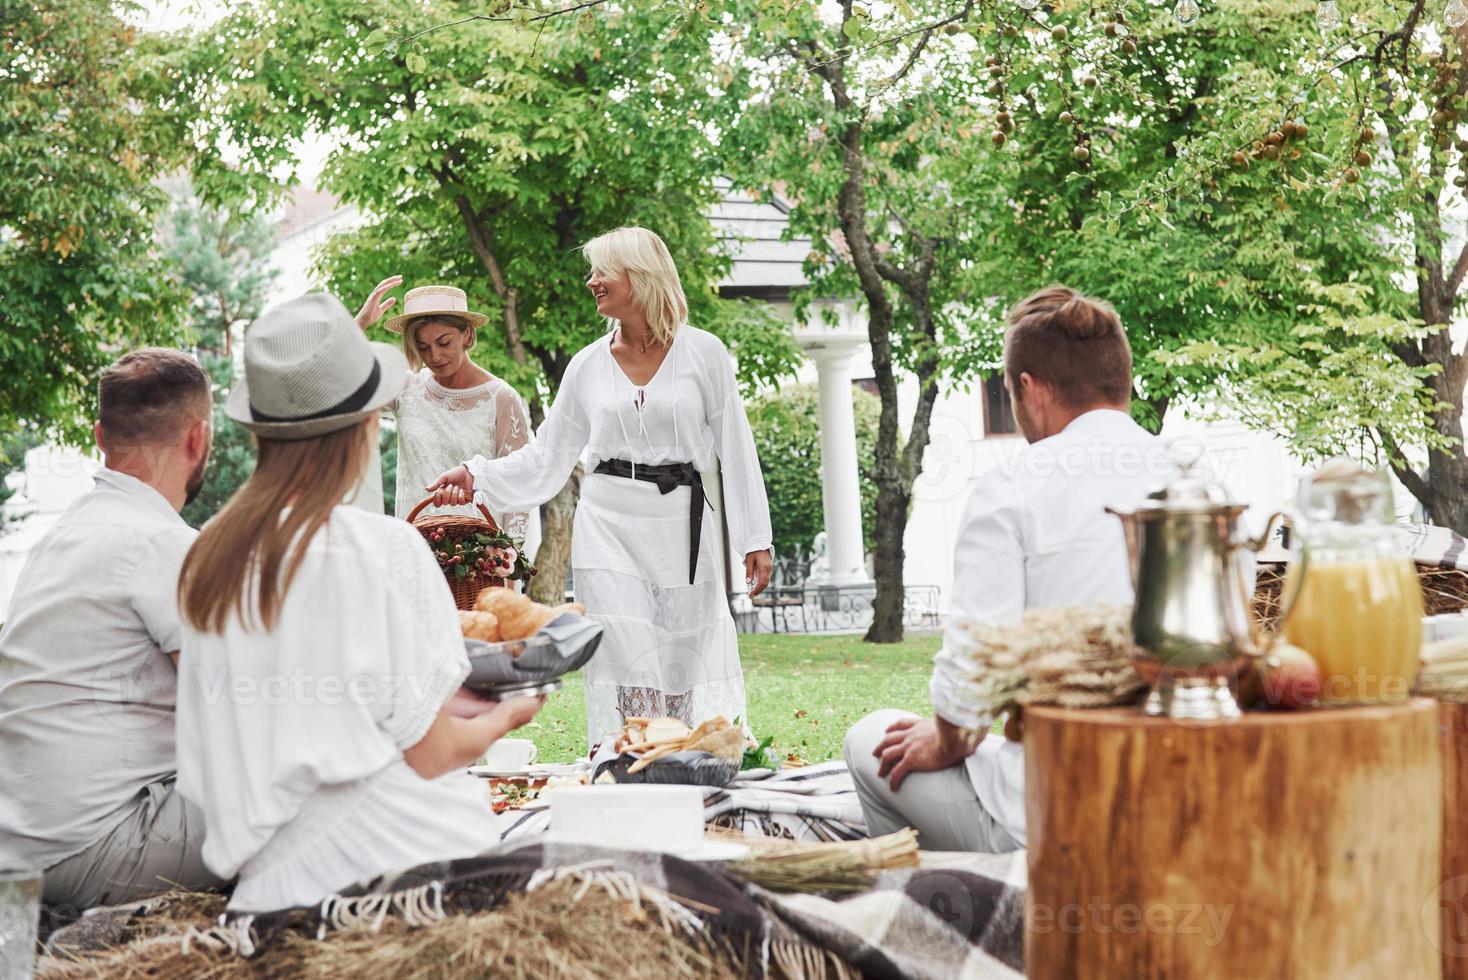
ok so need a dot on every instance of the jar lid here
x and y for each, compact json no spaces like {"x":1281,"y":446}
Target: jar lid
{"x":1345,"y":492}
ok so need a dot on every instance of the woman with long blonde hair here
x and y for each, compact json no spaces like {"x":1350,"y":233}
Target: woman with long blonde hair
{"x":653,"y":405}
{"x":321,"y":649}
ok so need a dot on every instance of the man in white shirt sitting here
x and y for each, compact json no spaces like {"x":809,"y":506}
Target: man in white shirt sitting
{"x":1035,"y":533}
{"x":89,"y":652}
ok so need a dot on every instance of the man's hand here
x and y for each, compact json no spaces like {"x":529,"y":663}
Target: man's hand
{"x":920,"y":745}
{"x":757,"y":565}
{"x":375,"y":307}
{"x":453,"y":488}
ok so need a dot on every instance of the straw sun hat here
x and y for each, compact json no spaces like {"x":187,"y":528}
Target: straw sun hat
{"x":435,"y":301}
{"x":310,"y":371}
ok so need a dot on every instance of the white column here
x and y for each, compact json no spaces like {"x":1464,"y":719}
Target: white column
{"x":840,"y":495}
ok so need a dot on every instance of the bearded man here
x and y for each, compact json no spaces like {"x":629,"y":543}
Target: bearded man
{"x":89,"y":653}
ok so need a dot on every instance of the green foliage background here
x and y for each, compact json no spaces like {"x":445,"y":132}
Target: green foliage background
{"x":787,"y":434}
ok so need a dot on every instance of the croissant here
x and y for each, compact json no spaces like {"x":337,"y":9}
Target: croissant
{"x":526,"y":621}
{"x":480,"y":626}
{"x":570,"y":607}
{"x":500,"y":601}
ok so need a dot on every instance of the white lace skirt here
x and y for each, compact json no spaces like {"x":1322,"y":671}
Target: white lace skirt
{"x":669,"y":648}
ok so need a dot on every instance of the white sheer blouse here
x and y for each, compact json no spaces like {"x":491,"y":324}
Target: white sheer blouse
{"x":440,"y":427}
{"x":689,"y":412}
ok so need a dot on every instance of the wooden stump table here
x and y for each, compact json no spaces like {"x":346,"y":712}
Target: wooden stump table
{"x":1299,"y":845}
{"x":1453,"y":897}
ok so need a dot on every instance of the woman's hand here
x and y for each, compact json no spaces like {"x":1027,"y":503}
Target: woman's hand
{"x":454,"y":488}
{"x":376,"y":306}
{"x":510,"y":715}
{"x":757,"y":565}
{"x":469,"y":704}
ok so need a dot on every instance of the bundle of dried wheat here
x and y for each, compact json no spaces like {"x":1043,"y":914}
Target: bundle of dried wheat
{"x":1076,"y":657}
{"x":836,"y":866}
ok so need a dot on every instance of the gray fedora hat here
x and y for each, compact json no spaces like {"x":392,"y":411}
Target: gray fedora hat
{"x":310,"y":371}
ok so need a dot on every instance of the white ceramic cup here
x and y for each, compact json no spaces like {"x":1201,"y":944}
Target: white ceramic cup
{"x":510,"y":754}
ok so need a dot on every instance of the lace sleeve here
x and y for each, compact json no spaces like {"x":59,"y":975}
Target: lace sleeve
{"x":511,"y":432}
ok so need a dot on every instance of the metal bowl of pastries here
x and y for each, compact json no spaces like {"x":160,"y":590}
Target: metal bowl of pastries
{"x":519,"y":646}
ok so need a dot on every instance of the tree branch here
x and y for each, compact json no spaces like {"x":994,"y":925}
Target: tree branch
{"x":537,"y":18}
{"x":1415,"y":483}
{"x":922,"y":44}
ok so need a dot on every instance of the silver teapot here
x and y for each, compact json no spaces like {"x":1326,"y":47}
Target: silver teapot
{"x":1191,"y":620}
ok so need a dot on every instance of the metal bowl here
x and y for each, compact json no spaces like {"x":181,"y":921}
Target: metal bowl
{"x":518,"y":666}
{"x":685,"y":768}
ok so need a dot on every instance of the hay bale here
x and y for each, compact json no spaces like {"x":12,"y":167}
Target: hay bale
{"x":558,"y":932}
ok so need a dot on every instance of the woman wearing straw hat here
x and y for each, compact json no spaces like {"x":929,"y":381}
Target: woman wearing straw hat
{"x":452,"y":408}
{"x":321,"y":658}
{"x":651,"y":404}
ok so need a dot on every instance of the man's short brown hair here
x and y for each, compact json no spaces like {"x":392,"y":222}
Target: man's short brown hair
{"x":1073,"y":343}
{"x":149,"y":396}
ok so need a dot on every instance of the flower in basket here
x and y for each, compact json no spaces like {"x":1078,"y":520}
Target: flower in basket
{"x":482,"y":553}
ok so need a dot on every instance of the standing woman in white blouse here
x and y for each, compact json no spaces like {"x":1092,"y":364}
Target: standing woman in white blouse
{"x":651,"y":404}
{"x":452,"y":408}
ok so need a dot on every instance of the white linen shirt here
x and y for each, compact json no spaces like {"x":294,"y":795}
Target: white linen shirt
{"x":1035,"y":534}
{"x":86,"y":686}
{"x":690,"y":411}
{"x":291,"y":740}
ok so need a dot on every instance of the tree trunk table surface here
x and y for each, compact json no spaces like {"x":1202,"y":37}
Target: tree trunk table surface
{"x":1453,"y":897}
{"x":1283,"y":844}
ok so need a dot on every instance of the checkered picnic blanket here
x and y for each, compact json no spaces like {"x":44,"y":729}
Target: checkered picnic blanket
{"x":956,"y":916}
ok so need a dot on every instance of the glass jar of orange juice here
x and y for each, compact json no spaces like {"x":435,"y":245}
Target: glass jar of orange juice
{"x":1359,"y":610}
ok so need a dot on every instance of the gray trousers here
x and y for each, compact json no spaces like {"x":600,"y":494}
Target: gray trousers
{"x":154,"y":848}
{"x":941,"y":806}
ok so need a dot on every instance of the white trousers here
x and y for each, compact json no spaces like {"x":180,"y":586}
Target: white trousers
{"x":941,"y":806}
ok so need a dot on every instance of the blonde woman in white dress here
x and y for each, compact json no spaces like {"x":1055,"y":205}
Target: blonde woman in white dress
{"x":321,"y":725}
{"x":452,"y":408}
{"x":651,"y":405}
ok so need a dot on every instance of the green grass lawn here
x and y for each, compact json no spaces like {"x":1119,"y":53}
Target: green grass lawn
{"x":803,"y":690}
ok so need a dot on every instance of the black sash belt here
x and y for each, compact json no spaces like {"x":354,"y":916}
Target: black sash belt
{"x":668,"y":477}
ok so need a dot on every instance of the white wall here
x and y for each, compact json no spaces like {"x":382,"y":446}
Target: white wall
{"x":53,"y":478}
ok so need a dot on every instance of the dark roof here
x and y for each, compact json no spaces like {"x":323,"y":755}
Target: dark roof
{"x":765,"y":266}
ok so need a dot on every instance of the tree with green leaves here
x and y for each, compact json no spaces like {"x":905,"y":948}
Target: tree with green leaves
{"x":847,"y":122}
{"x":1372,"y":367}
{"x":483,"y":149}
{"x":79,"y":153}
{"x":222,"y":261}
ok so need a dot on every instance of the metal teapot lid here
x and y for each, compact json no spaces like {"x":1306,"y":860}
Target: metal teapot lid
{"x":1192,"y":492}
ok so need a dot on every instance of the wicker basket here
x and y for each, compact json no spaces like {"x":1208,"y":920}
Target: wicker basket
{"x":457,"y":527}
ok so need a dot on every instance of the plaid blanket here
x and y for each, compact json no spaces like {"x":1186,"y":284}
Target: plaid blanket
{"x":962,"y":919}
{"x":1434,"y":545}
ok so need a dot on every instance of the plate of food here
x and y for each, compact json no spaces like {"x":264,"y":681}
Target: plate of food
{"x":665,"y":750}
{"x":519,"y":646}
{"x":516,"y":793}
